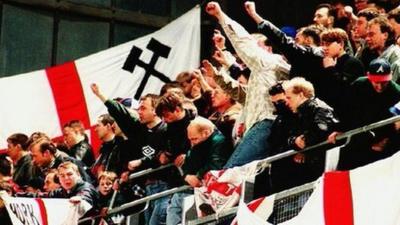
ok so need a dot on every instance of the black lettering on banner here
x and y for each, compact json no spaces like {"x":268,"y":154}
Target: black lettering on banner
{"x":35,"y":220}
{"x":133,"y":60}
{"x":24,"y":213}
{"x":17,"y":212}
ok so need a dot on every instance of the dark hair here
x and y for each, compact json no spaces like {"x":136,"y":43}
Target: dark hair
{"x":60,"y":145}
{"x":5,"y":166}
{"x":166,"y":86}
{"x":276,"y":89}
{"x":313,"y":31}
{"x":36,"y":136}
{"x":55,"y":177}
{"x":19,"y":139}
{"x":368,"y":13}
{"x":36,"y":183}
{"x":335,"y":2}
{"x":246,"y":72}
{"x":169,"y":103}
{"x":331,"y":10}
{"x":106,"y":119}
{"x":46,"y":145}
{"x":383,"y":4}
{"x":385,"y":27}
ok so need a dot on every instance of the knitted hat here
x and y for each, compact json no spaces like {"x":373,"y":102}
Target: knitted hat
{"x":379,"y":70}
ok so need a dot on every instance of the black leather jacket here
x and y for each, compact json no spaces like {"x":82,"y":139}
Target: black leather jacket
{"x":83,"y":189}
{"x":332,"y":84}
{"x":316,"y":120}
{"x":83,"y":151}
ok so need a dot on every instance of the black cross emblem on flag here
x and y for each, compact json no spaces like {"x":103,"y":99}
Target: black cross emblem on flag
{"x":133,"y":60}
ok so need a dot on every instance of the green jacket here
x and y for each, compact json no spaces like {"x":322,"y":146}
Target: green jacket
{"x":211,"y":154}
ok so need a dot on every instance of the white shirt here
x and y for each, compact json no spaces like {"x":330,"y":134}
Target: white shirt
{"x":266,"y":69}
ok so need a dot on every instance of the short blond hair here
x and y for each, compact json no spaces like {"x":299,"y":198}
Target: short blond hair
{"x":68,"y":165}
{"x":109,"y":175}
{"x":201,"y":124}
{"x":300,"y":85}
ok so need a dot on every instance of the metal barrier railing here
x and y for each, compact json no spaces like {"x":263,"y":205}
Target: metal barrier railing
{"x":147,"y":199}
{"x":149,"y":171}
{"x":262,"y":164}
{"x":344,"y":136}
{"x":288,"y":193}
{"x":280,"y":199}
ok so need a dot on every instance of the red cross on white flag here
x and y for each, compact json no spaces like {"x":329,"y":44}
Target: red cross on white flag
{"x":45,"y":100}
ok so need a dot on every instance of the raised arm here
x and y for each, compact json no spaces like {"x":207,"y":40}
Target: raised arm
{"x":236,"y":90}
{"x":287,"y":45}
{"x":202,"y":80}
{"x":96,"y":91}
{"x":250,"y":7}
{"x":128,"y":123}
{"x":247,"y":48}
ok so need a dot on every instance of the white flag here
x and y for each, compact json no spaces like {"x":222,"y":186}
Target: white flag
{"x":256,"y":212}
{"x":367,"y":195}
{"x":45,"y":100}
{"x":38,"y":211}
{"x":221,"y":189}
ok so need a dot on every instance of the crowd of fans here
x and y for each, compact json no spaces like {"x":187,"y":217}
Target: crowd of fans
{"x":270,"y":93}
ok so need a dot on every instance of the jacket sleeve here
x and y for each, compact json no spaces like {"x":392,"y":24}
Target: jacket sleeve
{"x":295,"y":53}
{"x":248,"y":50}
{"x":90,"y":195}
{"x":125,"y":120}
{"x":396,"y":71}
{"x":236,"y":90}
{"x":282,"y":42}
{"x":351,"y":71}
{"x":216,"y":159}
{"x":324,"y":123}
{"x":85,"y":154}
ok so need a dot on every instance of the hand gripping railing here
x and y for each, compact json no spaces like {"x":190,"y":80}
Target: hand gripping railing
{"x":146,"y":199}
{"x":149,"y":171}
{"x":345,"y":136}
{"x":262,"y":164}
{"x":266,"y":162}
